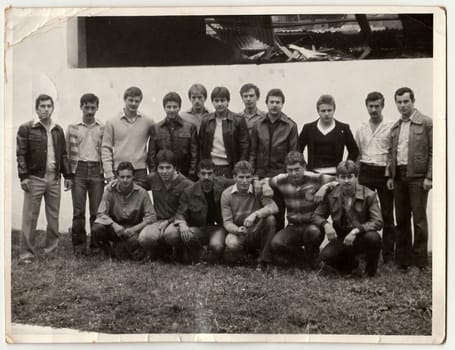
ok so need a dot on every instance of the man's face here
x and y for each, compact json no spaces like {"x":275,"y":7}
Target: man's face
{"x":125,"y":178}
{"x":89,"y":110}
{"x":172,"y":109}
{"x":220,"y":104}
{"x":44,"y":110}
{"x":405,"y":104}
{"x":348,"y":182}
{"x":243,"y":181}
{"x":296,"y":172}
{"x":166,"y":171}
{"x":375,"y":109}
{"x":197,"y":101}
{"x":249,"y":99}
{"x":206,"y":177}
{"x":326,"y":113}
{"x":132,"y":103}
{"x":274,"y":105}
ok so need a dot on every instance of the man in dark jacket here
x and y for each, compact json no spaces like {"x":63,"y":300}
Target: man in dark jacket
{"x":177,"y":135}
{"x":410,"y":172}
{"x":272,"y":138}
{"x":326,"y":139}
{"x":199,"y":213}
{"x":223,"y":136}
{"x":41,"y":159}
{"x":356,"y":221}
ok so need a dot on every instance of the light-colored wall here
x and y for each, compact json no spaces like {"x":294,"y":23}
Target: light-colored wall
{"x":40,"y":66}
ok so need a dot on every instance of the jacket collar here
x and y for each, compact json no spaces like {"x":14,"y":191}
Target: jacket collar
{"x":359,"y":192}
{"x":416,"y":118}
{"x":283,"y":118}
{"x":165,"y":121}
{"x":36,"y":123}
{"x":229,"y":115}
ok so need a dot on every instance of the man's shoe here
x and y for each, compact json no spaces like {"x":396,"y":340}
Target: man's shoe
{"x":262,"y":266}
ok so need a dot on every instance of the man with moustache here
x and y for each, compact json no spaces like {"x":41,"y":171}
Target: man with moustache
{"x":197,"y":95}
{"x":84,"y":153}
{"x":373,"y":140}
{"x":125,"y":210}
{"x":223,"y":136}
{"x":410,"y":172}
{"x":250,"y":94}
{"x":175,"y":134}
{"x":272,"y":138}
{"x":125,"y":138}
{"x":41,"y":159}
{"x":326,"y":139}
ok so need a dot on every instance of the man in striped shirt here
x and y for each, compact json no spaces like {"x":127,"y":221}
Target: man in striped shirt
{"x":301,"y":190}
{"x":84,"y":153}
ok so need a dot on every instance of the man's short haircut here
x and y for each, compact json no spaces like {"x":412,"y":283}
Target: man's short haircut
{"x":90,"y":98}
{"x":294,"y":157}
{"x":220,"y":92}
{"x":375,"y":96}
{"x":43,"y":97}
{"x":132,"y":91}
{"x":206,"y":164}
{"x":243,"y":166}
{"x":402,"y":91}
{"x":326,"y":100}
{"x":247,"y":87}
{"x":165,"y":156}
{"x":347,"y":167}
{"x":197,"y":89}
{"x":125,"y":166}
{"x":172,"y":97}
{"x":275,"y":93}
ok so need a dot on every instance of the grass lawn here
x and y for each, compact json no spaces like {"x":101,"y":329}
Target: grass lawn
{"x":103,"y":295}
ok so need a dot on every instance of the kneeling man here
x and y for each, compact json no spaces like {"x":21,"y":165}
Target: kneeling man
{"x":248,"y":215}
{"x":356,"y":221}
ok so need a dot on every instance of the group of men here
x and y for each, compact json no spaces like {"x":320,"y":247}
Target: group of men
{"x":226,"y":180}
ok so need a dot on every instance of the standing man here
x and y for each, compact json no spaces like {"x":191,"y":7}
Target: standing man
{"x":41,"y":159}
{"x":223,"y":135}
{"x":84,"y":152}
{"x":124,"y":212}
{"x":197,"y":95}
{"x":356,"y":220}
{"x":326,"y":139}
{"x":125,"y":138}
{"x":409,"y":168}
{"x":167,"y":186}
{"x":272,"y":138}
{"x":199,"y":213}
{"x":373,"y":140}
{"x":250,"y":94}
{"x":175,"y":134}
{"x":248,"y":215}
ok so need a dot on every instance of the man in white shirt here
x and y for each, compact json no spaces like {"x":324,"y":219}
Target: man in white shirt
{"x":373,"y":140}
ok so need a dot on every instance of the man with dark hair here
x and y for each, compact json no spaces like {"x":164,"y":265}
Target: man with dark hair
{"x":302,"y":191}
{"x":199,"y":213}
{"x":223,"y":135}
{"x":84,"y":140}
{"x":197,"y":95}
{"x":356,"y":221}
{"x":409,"y":168}
{"x":326,"y":139}
{"x":248,"y":215}
{"x":41,"y":159}
{"x":373,"y":140}
{"x":167,"y":186}
{"x":175,"y":134}
{"x":125,"y":210}
{"x":272,"y":138}
{"x":125,"y":138}
{"x":250,"y":95}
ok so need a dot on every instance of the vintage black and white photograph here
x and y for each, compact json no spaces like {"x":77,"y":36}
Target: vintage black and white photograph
{"x":225,"y":174}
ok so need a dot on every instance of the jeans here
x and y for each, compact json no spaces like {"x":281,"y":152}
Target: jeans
{"x":88,"y":180}
{"x":411,"y":198}
{"x":373,"y":177}
{"x":49,"y":187}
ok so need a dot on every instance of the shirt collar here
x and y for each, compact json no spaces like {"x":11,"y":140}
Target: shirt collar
{"x":411,"y":118}
{"x":37,"y":122}
{"x":326,"y":130}
{"x":135,"y":188}
{"x":235,"y":189}
{"x":123,"y":115}
{"x":190,"y":111}
{"x":97,"y":122}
